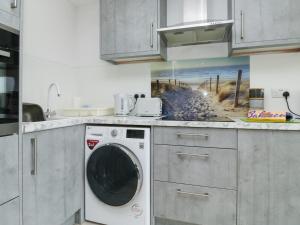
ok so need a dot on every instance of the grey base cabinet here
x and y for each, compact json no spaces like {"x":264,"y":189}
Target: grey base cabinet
{"x":269,"y":178}
{"x":194,"y":204}
{"x":266,"y":23}
{"x":10,"y":212}
{"x":9,"y":168}
{"x":52,"y":175}
{"x":10,"y":14}
{"x":195,"y":176}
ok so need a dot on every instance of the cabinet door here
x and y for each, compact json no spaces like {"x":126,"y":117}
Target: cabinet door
{"x":43,"y":189}
{"x":10,"y":212}
{"x":9,"y":166}
{"x":10,"y":13}
{"x":261,"y":23}
{"x":128,"y":27}
{"x":74,"y":169}
{"x":269,"y":178}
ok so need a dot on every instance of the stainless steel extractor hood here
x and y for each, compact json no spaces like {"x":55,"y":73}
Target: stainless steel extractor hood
{"x":197,"y":22}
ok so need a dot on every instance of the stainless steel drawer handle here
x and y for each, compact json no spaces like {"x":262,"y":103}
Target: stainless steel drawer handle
{"x":206,"y":156}
{"x":242,"y":25}
{"x":151,"y":35}
{"x":33,"y":156}
{"x":14,"y":4}
{"x":204,"y":195}
{"x":192,"y":135}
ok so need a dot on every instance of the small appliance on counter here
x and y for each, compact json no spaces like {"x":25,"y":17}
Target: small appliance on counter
{"x":124,"y":104}
{"x":150,"y":107}
{"x":256,"y":98}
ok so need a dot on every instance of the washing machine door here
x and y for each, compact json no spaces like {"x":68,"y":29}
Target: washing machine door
{"x":114,"y":174}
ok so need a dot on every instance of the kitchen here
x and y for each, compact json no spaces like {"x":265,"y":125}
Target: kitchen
{"x":237,"y":172}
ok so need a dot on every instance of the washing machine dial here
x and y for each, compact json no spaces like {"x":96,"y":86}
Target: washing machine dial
{"x":114,"y":133}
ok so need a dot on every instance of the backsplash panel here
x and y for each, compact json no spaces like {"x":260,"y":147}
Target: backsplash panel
{"x":201,"y":89}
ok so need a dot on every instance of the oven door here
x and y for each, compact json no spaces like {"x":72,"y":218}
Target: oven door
{"x":9,"y":82}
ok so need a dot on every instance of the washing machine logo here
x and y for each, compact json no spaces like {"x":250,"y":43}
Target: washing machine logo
{"x":137,"y":210}
{"x":92,"y":143}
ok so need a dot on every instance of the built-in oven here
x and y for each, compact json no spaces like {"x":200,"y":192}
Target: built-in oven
{"x":9,"y":82}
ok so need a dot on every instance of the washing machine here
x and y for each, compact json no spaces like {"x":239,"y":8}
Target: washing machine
{"x":117,"y":176}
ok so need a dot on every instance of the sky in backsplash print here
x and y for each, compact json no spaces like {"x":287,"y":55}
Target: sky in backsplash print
{"x":202,"y":89}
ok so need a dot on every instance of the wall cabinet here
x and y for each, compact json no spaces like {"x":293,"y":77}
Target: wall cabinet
{"x":128,"y":29}
{"x":10,"y":14}
{"x":269,"y":178}
{"x":263,"y":23}
{"x":52,"y":175}
{"x":9,"y":168}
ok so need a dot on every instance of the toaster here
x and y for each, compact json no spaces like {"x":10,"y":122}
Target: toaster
{"x":148,"y":107}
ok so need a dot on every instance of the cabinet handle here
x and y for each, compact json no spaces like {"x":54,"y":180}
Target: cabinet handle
{"x":33,"y":156}
{"x":242,"y":25}
{"x":14,"y":4}
{"x":204,"y":195}
{"x":206,"y":156}
{"x":151,"y":35}
{"x":192,"y":135}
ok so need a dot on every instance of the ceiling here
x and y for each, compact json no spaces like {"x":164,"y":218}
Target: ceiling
{"x":82,"y":2}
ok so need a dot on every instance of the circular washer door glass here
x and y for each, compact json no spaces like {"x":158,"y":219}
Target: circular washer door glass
{"x":112,"y":174}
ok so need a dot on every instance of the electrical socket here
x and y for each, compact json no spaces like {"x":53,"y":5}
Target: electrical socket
{"x":278,"y":92}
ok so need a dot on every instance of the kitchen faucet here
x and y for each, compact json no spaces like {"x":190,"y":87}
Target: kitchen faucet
{"x":48,"y":112}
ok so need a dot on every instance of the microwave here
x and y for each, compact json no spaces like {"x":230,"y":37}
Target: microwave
{"x":9,"y":82}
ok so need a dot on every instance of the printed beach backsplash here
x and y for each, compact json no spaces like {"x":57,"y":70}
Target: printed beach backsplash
{"x":202,"y":89}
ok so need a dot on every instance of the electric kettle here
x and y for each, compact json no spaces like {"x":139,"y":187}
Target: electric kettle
{"x":124,"y":104}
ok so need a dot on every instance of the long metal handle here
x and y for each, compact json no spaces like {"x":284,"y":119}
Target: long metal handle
{"x":206,"y":156}
{"x":33,"y":156}
{"x":205,"y":195}
{"x":4,"y":53}
{"x":192,"y":135}
{"x":151,"y":35}
{"x":14,"y":4}
{"x":242,"y":25}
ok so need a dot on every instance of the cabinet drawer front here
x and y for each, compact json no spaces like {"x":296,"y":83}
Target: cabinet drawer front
{"x":9,"y":168}
{"x":196,"y":165}
{"x":194,"y":204}
{"x":219,"y":138}
{"x":10,"y":213}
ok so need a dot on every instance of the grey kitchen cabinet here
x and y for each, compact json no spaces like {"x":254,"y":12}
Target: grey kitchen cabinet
{"x":52,"y":175}
{"x":10,"y":14}
{"x":210,"y":167}
{"x":269,"y":177}
{"x":204,"y":137}
{"x":9,"y":168}
{"x":10,"y":212}
{"x":194,"y":204}
{"x":128,"y":29}
{"x":265,"y":23}
{"x":195,"y":176}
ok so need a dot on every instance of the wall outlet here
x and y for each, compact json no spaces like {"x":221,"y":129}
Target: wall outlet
{"x":278,"y":92}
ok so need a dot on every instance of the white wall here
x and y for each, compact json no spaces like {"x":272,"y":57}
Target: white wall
{"x":48,"y":47}
{"x":63,"y":46}
{"x":277,"y":71}
{"x":99,"y":80}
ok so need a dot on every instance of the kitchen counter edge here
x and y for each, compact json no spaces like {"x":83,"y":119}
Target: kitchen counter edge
{"x":29,"y":127}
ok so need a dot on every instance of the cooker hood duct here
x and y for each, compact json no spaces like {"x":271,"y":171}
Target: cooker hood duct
{"x":197,"y":22}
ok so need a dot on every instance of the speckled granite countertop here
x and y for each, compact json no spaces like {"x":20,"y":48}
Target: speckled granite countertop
{"x":145,"y":121}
